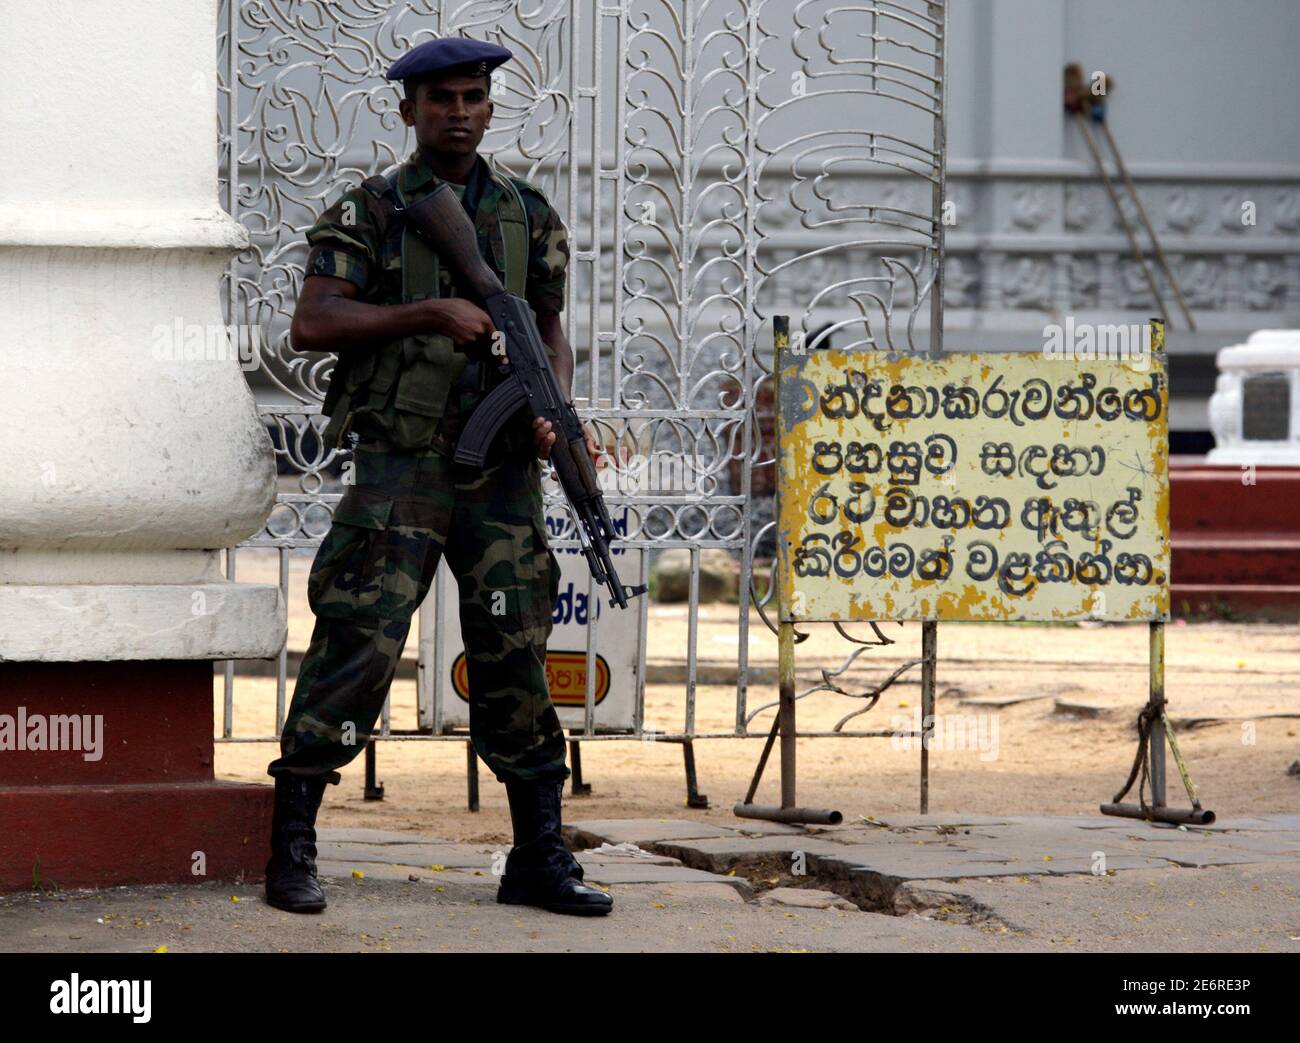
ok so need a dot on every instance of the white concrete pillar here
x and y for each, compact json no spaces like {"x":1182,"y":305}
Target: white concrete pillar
{"x":122,"y":470}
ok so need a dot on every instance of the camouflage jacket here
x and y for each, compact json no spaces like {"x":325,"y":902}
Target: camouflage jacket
{"x":359,"y":238}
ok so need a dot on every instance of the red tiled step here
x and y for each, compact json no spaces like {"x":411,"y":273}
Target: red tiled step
{"x":1205,"y":499}
{"x":1264,"y":559}
{"x":1243,"y":601}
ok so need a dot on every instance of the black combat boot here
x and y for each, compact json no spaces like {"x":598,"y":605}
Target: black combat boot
{"x":291,"y":882}
{"x":540,"y":870}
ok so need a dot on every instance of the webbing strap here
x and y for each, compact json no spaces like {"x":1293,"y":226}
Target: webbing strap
{"x":513,"y":220}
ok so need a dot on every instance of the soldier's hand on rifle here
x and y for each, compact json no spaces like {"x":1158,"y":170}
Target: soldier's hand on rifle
{"x":461,"y":320}
{"x":544,"y":438}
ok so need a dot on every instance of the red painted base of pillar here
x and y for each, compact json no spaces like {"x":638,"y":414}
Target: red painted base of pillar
{"x":106,"y":779}
{"x":103,"y":836}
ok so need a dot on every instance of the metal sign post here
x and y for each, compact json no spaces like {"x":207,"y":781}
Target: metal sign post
{"x":784,"y":721}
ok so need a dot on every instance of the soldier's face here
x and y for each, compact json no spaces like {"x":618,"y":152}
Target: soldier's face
{"x":450,"y":114}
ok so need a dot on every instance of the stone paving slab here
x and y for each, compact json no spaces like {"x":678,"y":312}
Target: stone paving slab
{"x":382,"y":855}
{"x":1241,"y":908}
{"x":426,"y":854}
{"x":626,"y":873}
{"x":1185,"y":847}
{"x":733,"y":849}
{"x":1221,"y":857}
{"x":806,"y":898}
{"x":339,"y":869}
{"x":1266,"y":846}
{"x":369,"y":836}
{"x":966,"y":835}
{"x":911,"y":847}
{"x":952,"y":819}
{"x":1071,"y":865}
{"x":903,"y":865}
{"x":1139,"y":833}
{"x":1042,"y":847}
{"x":756,"y":827}
{"x":956,"y":818}
{"x":694,"y":893}
{"x":646,"y":858}
{"x":1278,"y":822}
{"x":1037,"y":836}
{"x":1287,"y":850}
{"x":901,"y":870}
{"x":639,"y":831}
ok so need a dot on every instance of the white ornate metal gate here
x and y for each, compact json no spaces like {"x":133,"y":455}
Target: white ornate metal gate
{"x":716,"y":162}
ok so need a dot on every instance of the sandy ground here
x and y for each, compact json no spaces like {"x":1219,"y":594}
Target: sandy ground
{"x":1026,"y":758}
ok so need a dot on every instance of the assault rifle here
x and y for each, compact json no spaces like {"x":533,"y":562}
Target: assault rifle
{"x":528,"y":380}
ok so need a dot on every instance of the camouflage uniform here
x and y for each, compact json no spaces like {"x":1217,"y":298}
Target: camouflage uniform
{"x":411,"y":503}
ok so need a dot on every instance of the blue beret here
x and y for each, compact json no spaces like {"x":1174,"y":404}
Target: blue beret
{"x":452,"y":53}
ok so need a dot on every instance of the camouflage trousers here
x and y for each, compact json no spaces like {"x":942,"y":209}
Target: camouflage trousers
{"x":374,"y":568}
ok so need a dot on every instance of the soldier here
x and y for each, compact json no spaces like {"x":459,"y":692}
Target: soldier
{"x":412,"y":365}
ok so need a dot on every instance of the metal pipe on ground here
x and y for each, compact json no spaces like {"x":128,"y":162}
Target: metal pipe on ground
{"x":799,"y":816}
{"x":1174,"y":816}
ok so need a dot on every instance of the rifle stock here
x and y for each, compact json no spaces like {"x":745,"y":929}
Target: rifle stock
{"x":441,"y":220}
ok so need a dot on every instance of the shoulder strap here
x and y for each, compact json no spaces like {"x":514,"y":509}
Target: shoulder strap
{"x":389,"y":196}
{"x":386,"y":190}
{"x":513,"y":217}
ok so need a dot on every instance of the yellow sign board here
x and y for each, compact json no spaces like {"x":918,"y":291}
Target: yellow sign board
{"x":991,"y":486}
